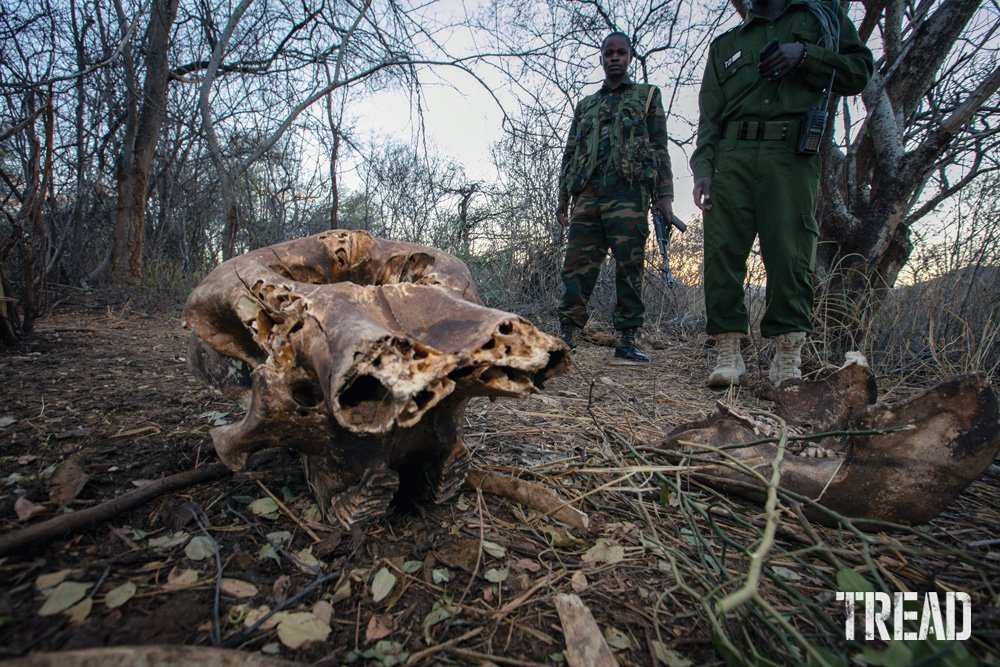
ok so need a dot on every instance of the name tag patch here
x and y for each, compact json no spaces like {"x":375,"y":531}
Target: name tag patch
{"x":733,"y":58}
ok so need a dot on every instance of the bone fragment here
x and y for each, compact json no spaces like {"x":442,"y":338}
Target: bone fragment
{"x":585,"y":645}
{"x":532,"y":495}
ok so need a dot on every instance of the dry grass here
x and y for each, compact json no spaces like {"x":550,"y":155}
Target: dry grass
{"x":594,"y":436}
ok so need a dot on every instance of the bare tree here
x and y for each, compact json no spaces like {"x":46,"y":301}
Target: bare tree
{"x":369,"y":42}
{"x":411,"y":196}
{"x":145,"y":116}
{"x":928,"y":131}
{"x":26,"y":163}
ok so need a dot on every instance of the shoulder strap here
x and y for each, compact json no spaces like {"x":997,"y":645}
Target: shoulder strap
{"x":588,"y":103}
{"x":635,"y":92}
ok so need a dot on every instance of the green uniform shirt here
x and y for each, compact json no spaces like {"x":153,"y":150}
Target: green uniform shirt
{"x":586,"y":136}
{"x":733,"y":90}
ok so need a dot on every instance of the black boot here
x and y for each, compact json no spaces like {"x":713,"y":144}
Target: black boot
{"x":626,"y":348}
{"x":569,"y":334}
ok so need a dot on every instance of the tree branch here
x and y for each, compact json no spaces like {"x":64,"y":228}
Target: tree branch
{"x":35,"y":535}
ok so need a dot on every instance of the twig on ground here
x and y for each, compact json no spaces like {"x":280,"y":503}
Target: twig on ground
{"x":46,"y":531}
{"x":240,"y":637}
{"x":278,"y":549}
{"x":757,"y":558}
{"x":585,"y":645}
{"x":487,"y":658}
{"x":291,"y":515}
{"x":217,"y":597}
{"x":437,"y":648}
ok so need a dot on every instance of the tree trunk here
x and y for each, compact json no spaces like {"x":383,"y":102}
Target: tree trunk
{"x":232,"y":219}
{"x":130,"y":216}
{"x":80,"y":201}
{"x":334,"y":190}
{"x":9,"y":323}
{"x":34,"y":241}
{"x":868,"y":194}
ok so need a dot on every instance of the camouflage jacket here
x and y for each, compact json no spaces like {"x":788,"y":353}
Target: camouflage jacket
{"x":637,"y":142}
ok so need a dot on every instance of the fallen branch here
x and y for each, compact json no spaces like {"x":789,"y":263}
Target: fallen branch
{"x":291,"y":515}
{"x":46,"y":531}
{"x":126,"y":656}
{"x":535,"y":496}
{"x":750,"y":589}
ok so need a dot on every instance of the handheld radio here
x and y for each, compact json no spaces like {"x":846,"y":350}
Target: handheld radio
{"x":768,"y":49}
{"x":814,"y":124}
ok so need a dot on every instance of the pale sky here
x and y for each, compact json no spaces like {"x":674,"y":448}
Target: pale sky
{"x":462,"y":121}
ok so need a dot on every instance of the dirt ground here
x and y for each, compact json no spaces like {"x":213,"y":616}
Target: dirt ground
{"x":99,"y":400}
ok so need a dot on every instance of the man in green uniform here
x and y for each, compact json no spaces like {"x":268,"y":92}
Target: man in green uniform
{"x":752,"y":179}
{"x":615,"y":163}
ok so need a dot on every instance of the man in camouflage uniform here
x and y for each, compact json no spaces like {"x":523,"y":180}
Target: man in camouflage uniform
{"x":750,"y":179}
{"x":615,"y":163}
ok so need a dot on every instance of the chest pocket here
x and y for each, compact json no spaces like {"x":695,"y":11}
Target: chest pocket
{"x":739,"y":76}
{"x":633,"y":116}
{"x":637,"y":162}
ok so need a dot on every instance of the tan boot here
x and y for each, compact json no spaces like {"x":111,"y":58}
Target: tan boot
{"x":729,"y":366}
{"x":787,"y":357}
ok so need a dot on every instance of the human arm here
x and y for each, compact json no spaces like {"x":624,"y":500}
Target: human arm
{"x":782,"y":60}
{"x":562,"y":212}
{"x":710,"y":104}
{"x":656,"y":127}
{"x":562,"y":204}
{"x":853,"y":62}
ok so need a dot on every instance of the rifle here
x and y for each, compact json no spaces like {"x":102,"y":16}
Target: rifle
{"x":663,"y":240}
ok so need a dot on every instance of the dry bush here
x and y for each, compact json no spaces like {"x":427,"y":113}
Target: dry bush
{"x":919,"y":334}
{"x":946,"y":326}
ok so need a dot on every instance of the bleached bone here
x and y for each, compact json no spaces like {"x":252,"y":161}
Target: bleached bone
{"x":361,"y":354}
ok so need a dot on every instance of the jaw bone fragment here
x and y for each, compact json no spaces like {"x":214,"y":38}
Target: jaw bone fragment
{"x":361,"y":354}
{"x":903,"y":462}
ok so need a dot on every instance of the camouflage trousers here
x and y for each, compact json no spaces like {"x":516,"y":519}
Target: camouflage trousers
{"x":616,"y":219}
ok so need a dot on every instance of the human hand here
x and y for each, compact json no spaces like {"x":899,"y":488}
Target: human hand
{"x":562,"y":215}
{"x":782,"y":60}
{"x":703,"y":193}
{"x":666,"y":206}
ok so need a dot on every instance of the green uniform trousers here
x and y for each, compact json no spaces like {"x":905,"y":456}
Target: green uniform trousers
{"x":761,"y":188}
{"x":615,"y":219}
